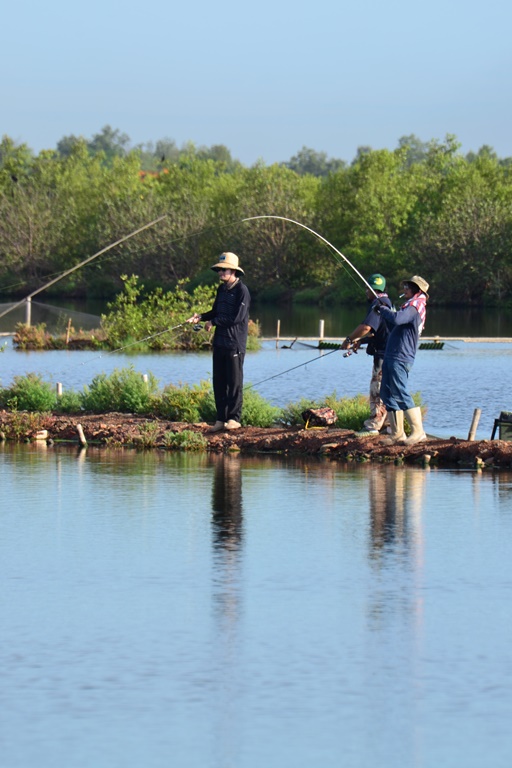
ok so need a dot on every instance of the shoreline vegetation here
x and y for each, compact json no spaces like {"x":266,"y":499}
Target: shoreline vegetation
{"x":129,"y":411}
{"x":142,"y":321}
{"x":29,"y":398}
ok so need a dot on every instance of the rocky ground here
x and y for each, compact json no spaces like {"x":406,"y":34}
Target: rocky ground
{"x":116,"y":429}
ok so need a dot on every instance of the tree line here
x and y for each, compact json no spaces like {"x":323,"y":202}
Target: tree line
{"x":422,"y":208}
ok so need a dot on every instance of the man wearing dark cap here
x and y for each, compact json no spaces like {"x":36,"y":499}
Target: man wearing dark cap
{"x":375,"y":329}
{"x":230,"y":318}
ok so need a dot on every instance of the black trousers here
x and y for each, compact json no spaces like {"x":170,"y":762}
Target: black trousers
{"x":228,"y":382}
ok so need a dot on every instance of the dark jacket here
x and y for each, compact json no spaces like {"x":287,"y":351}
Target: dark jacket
{"x":230,"y":316}
{"x":377,"y":344}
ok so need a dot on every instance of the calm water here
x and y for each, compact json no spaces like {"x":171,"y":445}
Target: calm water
{"x":218,"y":612}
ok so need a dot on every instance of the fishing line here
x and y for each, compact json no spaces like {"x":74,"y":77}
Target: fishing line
{"x":196,"y":327}
{"x":324,"y":354}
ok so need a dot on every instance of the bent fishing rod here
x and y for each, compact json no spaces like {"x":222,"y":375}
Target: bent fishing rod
{"x":161,"y":218}
{"x":320,"y":237}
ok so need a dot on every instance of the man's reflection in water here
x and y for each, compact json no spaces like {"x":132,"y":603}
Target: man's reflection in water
{"x":396,"y":500}
{"x":227,"y":535}
{"x":227,"y":541}
{"x":396,"y":497}
{"x":227,"y":505}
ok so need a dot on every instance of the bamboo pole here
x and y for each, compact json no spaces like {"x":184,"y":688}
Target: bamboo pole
{"x":474,"y":423}
{"x":81,"y":435}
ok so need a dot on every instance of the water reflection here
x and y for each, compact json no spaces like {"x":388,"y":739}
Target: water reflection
{"x":227,"y":539}
{"x":396,"y":497}
{"x":396,"y":540}
{"x":227,"y":505}
{"x":227,"y":542}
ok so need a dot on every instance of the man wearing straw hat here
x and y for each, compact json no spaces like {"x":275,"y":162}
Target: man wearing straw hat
{"x":230,"y":318}
{"x":405,"y":327}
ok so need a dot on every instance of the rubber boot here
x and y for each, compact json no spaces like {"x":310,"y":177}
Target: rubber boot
{"x":413,"y":416}
{"x":396,"y":422}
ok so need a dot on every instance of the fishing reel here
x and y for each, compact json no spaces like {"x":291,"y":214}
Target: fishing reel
{"x":197,"y":327}
{"x":352,"y":347}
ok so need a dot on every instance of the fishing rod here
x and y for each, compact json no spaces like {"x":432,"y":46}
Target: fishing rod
{"x":196,"y":327}
{"x":82,"y":263}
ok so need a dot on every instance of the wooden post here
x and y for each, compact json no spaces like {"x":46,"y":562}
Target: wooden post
{"x":28,"y":311}
{"x":58,"y":389}
{"x":278,"y":331}
{"x":474,"y":423}
{"x":145,"y":378}
{"x":321,"y":330}
{"x":81,"y":436}
{"x":68,"y":332}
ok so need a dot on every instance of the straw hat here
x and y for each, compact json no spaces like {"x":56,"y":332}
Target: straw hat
{"x":420,"y":282}
{"x":228,"y":261}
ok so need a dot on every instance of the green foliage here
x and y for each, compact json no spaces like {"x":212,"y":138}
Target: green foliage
{"x":69,"y":402}
{"x":253,"y":336}
{"x":423,"y":207}
{"x":291,"y":414}
{"x":148,"y":435}
{"x":309,"y":295}
{"x":256,"y":411}
{"x":28,"y":393}
{"x":274,"y":294}
{"x":37,"y":337}
{"x":135,"y":316}
{"x":123,"y":390}
{"x":31,"y":337}
{"x":308,"y":161}
{"x":185,"y":441}
{"x":185,"y":403}
{"x":351,"y":411}
{"x":23,"y":425}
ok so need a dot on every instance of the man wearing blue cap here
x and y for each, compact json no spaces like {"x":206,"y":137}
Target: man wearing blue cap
{"x":373,"y":328}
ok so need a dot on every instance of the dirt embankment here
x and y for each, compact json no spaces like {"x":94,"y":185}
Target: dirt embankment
{"x":115,"y":429}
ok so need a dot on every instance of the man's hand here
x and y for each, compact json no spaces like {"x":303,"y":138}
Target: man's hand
{"x":208,"y":326}
{"x":194,"y":319}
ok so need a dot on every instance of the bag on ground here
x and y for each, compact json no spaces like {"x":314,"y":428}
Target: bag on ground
{"x":319,"y":417}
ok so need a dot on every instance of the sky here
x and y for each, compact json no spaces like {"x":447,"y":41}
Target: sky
{"x":265,"y":79}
